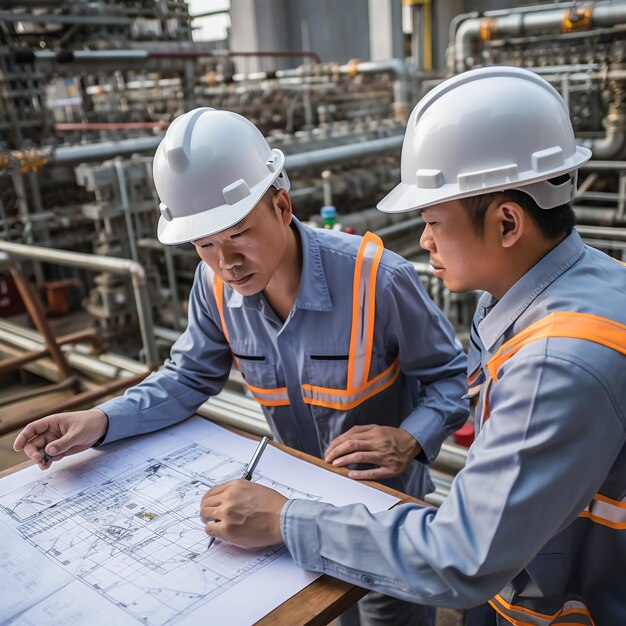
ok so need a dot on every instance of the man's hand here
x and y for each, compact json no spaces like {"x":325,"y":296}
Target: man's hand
{"x":391,"y":449}
{"x":53,"y":437}
{"x":243,"y":513}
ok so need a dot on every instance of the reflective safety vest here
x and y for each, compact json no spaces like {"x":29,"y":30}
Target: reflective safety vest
{"x":359,"y":386}
{"x":605,"y":516}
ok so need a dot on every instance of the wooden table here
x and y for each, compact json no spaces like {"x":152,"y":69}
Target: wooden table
{"x":326,"y":597}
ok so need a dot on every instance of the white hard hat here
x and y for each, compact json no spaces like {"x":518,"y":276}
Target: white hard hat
{"x":486,"y":130}
{"x":210,"y":170}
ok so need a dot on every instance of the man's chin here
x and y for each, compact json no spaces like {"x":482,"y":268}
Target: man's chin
{"x":248,"y":287}
{"x":455,"y":287}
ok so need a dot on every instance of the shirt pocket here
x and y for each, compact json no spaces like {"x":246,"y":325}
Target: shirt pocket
{"x":327,"y":370}
{"x":258,"y":373}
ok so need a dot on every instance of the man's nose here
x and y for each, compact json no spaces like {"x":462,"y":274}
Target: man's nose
{"x":426,"y":240}
{"x":229,"y":258}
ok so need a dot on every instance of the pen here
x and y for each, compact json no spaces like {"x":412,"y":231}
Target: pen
{"x":247,"y":473}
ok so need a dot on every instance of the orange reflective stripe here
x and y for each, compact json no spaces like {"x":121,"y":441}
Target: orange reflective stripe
{"x":218,"y":292}
{"x":563,"y":324}
{"x":363,"y":309}
{"x":346,"y":399}
{"x":269,"y":397}
{"x":266,"y":397}
{"x":606,"y":511}
{"x":521,"y":616}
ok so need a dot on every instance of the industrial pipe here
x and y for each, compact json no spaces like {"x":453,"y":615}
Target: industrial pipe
{"x":100,"y":56}
{"x":513,"y":24}
{"x":8,"y":365}
{"x":68,"y":127}
{"x":75,"y":402}
{"x":103,"y":150}
{"x":329,"y":156}
{"x":36,"y":312}
{"x":100,"y":264}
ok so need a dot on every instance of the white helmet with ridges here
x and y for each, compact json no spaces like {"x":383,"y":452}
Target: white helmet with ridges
{"x":210,"y":170}
{"x":486,"y":130}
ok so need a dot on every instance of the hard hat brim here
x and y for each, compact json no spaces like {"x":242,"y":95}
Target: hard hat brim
{"x":192,"y":227}
{"x":197,"y":226}
{"x":409,"y":197}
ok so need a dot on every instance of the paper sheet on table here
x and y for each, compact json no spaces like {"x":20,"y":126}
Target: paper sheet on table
{"x":114,"y":534}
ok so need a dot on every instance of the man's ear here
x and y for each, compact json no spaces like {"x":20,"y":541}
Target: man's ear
{"x":282,"y":204}
{"x":511,"y":219}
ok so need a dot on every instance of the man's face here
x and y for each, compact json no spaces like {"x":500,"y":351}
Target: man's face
{"x":247,"y":255}
{"x":462,"y":259}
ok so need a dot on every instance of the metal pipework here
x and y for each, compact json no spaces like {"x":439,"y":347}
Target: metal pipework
{"x":89,"y":334}
{"x":37,"y":314}
{"x":400,"y":70}
{"x":50,"y":18}
{"x":495,"y":25}
{"x":329,"y":156}
{"x":103,"y":150}
{"x":15,"y":340}
{"x":75,"y":402}
{"x":107,"y":149}
{"x":99,"y":264}
{"x":128,"y":218}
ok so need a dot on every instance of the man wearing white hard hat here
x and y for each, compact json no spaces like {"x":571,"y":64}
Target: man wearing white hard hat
{"x":536,"y":521}
{"x":335,"y":336}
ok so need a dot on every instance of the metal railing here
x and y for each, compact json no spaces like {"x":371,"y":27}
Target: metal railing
{"x":99,"y":264}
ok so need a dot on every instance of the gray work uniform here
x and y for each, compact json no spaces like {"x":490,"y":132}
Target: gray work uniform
{"x":536,"y":521}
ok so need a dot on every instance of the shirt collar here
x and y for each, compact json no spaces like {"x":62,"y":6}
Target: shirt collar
{"x":313,"y":291}
{"x":519,"y":297}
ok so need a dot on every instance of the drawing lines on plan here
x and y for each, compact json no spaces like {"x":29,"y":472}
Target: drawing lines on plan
{"x":136,"y":536}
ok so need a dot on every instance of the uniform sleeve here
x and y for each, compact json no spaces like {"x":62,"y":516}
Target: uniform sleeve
{"x":553,"y":435}
{"x":429,"y":353}
{"x":198,"y":368}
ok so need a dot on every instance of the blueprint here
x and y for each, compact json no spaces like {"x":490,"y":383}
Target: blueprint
{"x":114,"y":535}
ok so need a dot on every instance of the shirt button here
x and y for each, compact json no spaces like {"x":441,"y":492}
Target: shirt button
{"x":367,"y":579}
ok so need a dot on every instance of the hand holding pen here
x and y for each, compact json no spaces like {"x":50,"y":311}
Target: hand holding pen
{"x":249,"y":470}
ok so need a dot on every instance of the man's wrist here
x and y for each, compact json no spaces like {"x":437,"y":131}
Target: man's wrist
{"x":100,"y":440}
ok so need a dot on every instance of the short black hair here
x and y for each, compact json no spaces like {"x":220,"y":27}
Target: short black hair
{"x":553,"y":223}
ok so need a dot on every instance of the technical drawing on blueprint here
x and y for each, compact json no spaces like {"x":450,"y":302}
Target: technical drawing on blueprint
{"x":116,"y":536}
